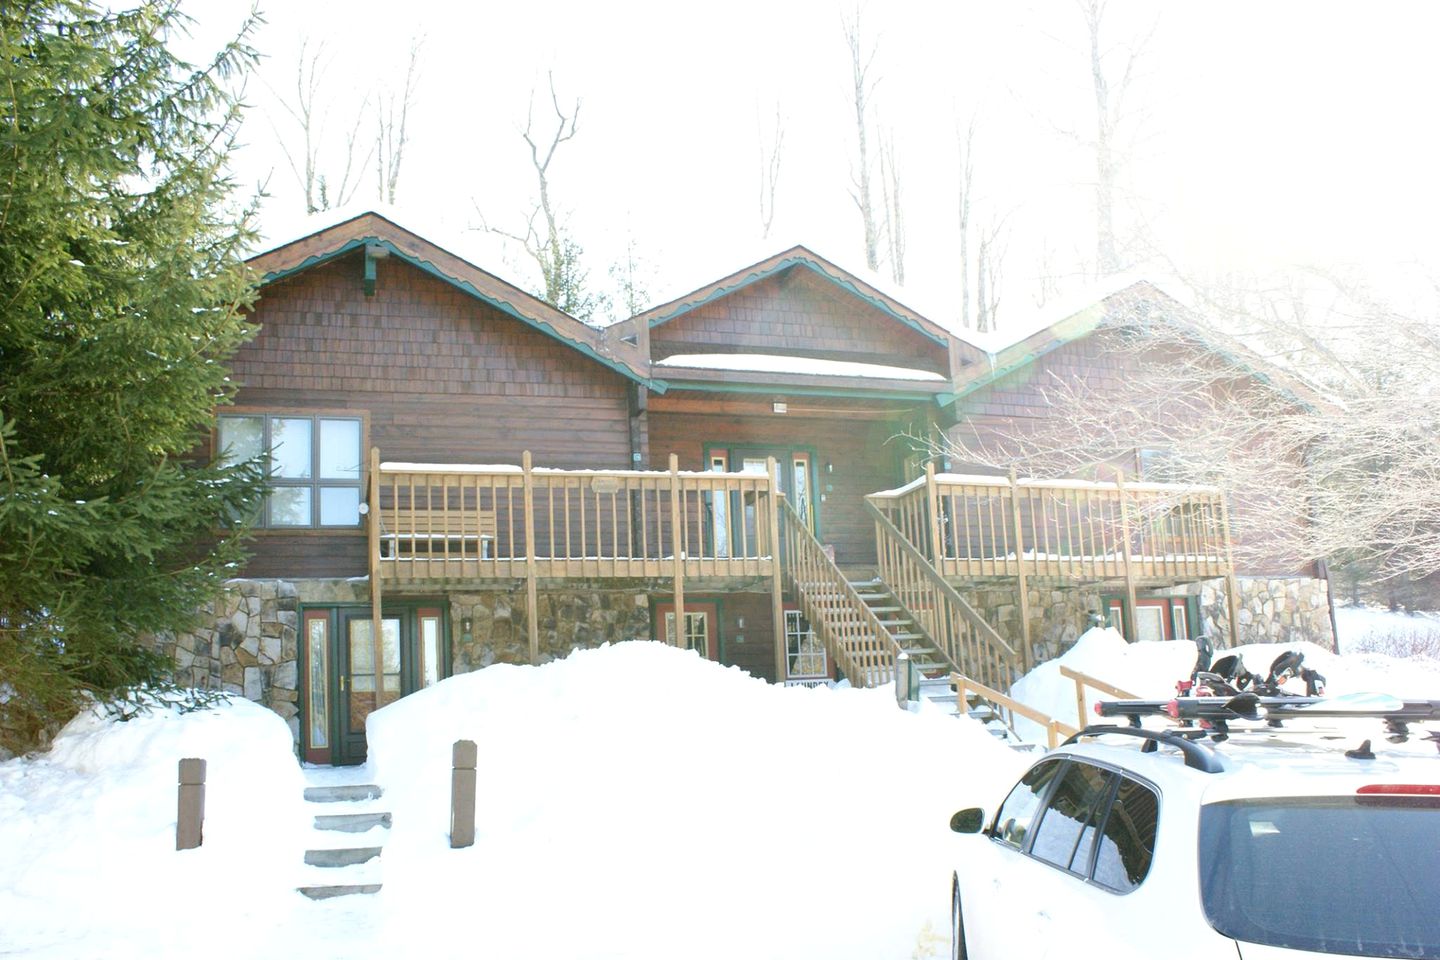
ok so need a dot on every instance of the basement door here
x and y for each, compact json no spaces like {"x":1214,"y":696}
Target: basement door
{"x":340,"y":688}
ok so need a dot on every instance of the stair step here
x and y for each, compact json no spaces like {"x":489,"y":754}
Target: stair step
{"x":886,"y":609}
{"x":340,"y":856}
{"x":341,"y":793}
{"x":329,"y":891}
{"x":352,"y":822}
{"x":872,"y":582}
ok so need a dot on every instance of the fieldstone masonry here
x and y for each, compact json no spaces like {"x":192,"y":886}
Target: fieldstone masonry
{"x":576,"y":618}
{"x":1270,"y":611}
{"x":245,"y":644}
{"x":247,"y":640}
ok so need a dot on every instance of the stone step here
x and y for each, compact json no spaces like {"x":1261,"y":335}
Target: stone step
{"x":329,"y":891}
{"x":340,"y":856}
{"x":352,"y":822}
{"x":341,"y":793}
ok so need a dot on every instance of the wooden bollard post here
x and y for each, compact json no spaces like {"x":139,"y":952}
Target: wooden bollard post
{"x":190,"y":812}
{"x":462,"y":793}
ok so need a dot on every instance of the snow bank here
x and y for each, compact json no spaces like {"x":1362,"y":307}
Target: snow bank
{"x":636,"y":801}
{"x":87,"y":832}
{"x":1150,"y":670}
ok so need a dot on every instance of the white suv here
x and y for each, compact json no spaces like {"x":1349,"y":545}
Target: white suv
{"x":1269,"y":846}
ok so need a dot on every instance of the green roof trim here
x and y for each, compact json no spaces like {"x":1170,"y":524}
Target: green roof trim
{"x":504,"y":306}
{"x":1069,"y":330}
{"x":798,"y":261}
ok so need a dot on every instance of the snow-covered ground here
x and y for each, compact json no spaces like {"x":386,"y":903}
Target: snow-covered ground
{"x":1388,"y":631}
{"x":634,"y":801}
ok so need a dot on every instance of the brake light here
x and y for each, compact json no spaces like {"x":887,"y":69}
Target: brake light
{"x":1401,"y":789}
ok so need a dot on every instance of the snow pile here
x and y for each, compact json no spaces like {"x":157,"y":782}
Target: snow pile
{"x":88,"y":830}
{"x":1150,"y":670}
{"x":637,"y":801}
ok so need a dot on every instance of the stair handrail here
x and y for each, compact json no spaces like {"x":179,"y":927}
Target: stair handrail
{"x":862,"y":647}
{"x":945,"y":635}
{"x":1054,"y":729}
{"x":1083,"y":680}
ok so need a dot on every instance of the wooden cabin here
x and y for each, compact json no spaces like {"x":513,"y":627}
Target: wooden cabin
{"x":744,"y":471}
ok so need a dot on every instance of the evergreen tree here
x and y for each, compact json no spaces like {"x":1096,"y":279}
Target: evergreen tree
{"x":122,"y":292}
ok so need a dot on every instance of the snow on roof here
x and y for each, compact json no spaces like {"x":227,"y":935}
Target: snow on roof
{"x":804,"y":366}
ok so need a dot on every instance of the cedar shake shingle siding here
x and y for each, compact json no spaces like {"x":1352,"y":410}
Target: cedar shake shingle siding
{"x":443,"y":377}
{"x":797,"y":312}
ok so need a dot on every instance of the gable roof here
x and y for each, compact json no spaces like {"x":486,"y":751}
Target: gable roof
{"x":374,"y":232}
{"x":1115,"y":305}
{"x":804,"y":258}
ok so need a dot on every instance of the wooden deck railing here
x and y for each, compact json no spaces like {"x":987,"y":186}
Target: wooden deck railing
{"x":956,"y":629}
{"x":973,"y":527}
{"x":459,"y":522}
{"x":853,"y":635}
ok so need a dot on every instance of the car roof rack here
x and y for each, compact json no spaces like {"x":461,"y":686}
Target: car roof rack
{"x":1219,"y":712}
{"x":1197,"y":755}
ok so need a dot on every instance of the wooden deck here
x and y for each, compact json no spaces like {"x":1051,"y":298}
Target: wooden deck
{"x":973,"y":527}
{"x":459,"y":522}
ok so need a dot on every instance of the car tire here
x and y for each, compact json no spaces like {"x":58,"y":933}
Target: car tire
{"x":957,"y":924}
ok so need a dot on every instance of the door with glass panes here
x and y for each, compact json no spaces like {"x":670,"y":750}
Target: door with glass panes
{"x":348,"y":674}
{"x":702,"y":627}
{"x":794,"y":475}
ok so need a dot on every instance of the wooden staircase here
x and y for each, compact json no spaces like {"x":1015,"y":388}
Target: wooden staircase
{"x":908,"y":635}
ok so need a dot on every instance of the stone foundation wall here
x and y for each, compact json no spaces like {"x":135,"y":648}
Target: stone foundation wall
{"x":1057,"y":615}
{"x":575,"y":618}
{"x":1278,"y":610}
{"x":247,"y":641}
{"x":245,"y":644}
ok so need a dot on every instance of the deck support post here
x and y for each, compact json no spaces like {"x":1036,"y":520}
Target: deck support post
{"x":532,"y":604}
{"x":377,"y":626}
{"x":937,"y":538}
{"x":1232,"y":585}
{"x":1129,"y":623}
{"x":1022,"y":583}
{"x":777,"y":573}
{"x":677,"y":543}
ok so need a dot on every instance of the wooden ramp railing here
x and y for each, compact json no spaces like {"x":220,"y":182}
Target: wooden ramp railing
{"x":1083,"y":680}
{"x":1009,"y":708}
{"x":853,"y":635}
{"x":954,"y":627}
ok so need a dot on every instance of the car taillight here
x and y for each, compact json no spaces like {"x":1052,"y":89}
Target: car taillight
{"x":1401,"y":789}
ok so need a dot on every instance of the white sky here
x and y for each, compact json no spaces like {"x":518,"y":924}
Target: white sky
{"x":1293,"y":131}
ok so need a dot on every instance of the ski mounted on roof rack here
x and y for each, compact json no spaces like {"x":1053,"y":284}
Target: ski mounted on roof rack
{"x":1217,"y":712}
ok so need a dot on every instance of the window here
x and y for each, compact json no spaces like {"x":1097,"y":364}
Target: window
{"x":314,"y":465}
{"x":804,"y":653}
{"x":1012,"y":823}
{"x":1127,"y":842}
{"x":1067,"y":829}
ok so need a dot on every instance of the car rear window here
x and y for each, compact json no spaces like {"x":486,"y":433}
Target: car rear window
{"x":1346,"y":875}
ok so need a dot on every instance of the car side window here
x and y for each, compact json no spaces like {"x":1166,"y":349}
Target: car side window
{"x":1012,"y":823}
{"x":1067,"y":829}
{"x":1127,"y":841}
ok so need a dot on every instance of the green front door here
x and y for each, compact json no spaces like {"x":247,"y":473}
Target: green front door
{"x":342,"y":686}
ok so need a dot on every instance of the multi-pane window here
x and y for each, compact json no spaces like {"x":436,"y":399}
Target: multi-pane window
{"x":697,"y":631}
{"x":314,"y":466}
{"x":804,"y":653}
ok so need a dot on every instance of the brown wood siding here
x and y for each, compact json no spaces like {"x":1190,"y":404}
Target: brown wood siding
{"x":797,"y":312}
{"x":996,"y":410}
{"x":755,"y":654}
{"x":444,"y":378}
{"x":863,"y":460}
